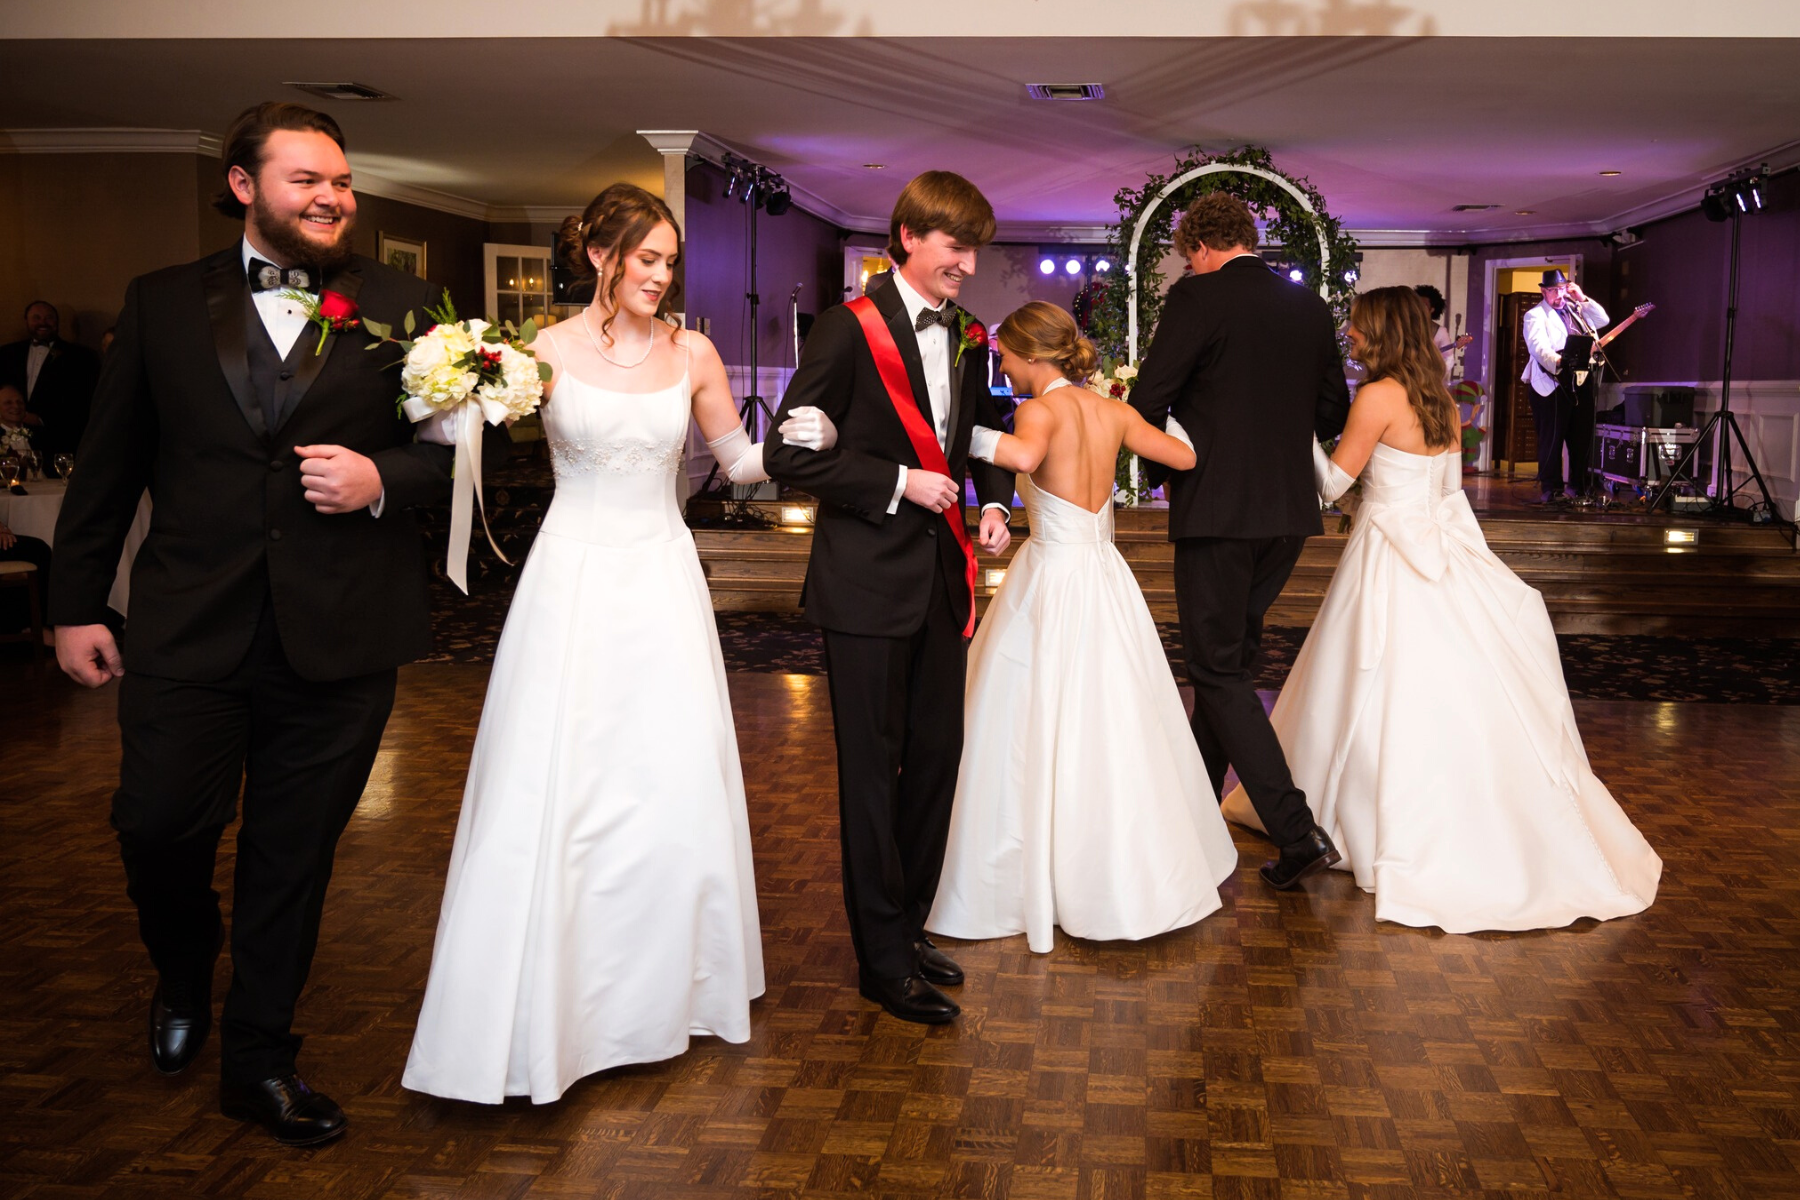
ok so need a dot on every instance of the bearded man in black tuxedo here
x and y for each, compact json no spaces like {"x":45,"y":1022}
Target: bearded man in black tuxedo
{"x":56,"y":378}
{"x":281,"y":583}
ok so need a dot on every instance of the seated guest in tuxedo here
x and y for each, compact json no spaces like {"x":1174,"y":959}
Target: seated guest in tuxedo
{"x":57,"y":378}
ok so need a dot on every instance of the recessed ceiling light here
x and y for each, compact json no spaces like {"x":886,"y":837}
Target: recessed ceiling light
{"x":1523,"y":212}
{"x":1065,"y":91}
{"x":342,"y":91}
{"x":1473,"y":207}
{"x":1610,"y":174}
{"x":874,"y":166}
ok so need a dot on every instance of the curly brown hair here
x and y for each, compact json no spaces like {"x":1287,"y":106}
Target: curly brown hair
{"x":1217,"y":220}
{"x":1395,"y":323}
{"x":615,"y":222}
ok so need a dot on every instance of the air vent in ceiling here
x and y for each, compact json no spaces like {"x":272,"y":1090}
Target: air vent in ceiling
{"x":1473,"y":207}
{"x":1065,"y":91}
{"x":342,"y":91}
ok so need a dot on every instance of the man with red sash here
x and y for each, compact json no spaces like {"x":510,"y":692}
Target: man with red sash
{"x":902,"y":373}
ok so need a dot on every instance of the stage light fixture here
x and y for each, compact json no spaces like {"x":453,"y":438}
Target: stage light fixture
{"x":1102,"y":265}
{"x":780,"y":200}
{"x":1072,"y":266}
{"x":1350,"y":276}
{"x":1297,"y":275}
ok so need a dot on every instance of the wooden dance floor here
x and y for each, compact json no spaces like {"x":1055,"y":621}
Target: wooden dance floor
{"x":1288,"y":1046}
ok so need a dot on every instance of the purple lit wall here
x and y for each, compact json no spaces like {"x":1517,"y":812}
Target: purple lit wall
{"x":794,"y":248}
{"x":1682,"y":266}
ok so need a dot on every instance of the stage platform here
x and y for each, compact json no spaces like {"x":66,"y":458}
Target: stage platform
{"x":1602,"y":570}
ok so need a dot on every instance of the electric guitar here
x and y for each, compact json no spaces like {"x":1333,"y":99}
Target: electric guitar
{"x":1598,"y":359}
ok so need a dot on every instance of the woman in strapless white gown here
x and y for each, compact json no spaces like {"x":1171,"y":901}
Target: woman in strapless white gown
{"x":1082,"y":801}
{"x":1426,"y":717}
{"x":600,"y":907}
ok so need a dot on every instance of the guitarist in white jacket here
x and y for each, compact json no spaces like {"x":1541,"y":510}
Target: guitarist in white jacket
{"x":1564,"y":417}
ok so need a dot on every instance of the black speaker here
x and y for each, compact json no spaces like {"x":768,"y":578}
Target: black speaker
{"x":1653,"y":406}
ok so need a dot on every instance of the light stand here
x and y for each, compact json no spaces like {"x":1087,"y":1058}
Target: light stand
{"x":1734,"y":199}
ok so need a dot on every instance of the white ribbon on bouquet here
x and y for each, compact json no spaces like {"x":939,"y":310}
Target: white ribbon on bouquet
{"x":465,"y":420}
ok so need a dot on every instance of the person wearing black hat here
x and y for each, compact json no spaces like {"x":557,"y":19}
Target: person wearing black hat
{"x":1563,"y":415}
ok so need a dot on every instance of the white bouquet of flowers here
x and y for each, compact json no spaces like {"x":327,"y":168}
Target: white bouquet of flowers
{"x":458,"y":375}
{"x":16,"y":442}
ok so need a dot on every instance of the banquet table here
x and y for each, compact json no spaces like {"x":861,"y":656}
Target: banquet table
{"x":34,"y":515}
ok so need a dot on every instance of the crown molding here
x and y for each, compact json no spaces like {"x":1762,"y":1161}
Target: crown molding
{"x":531,"y":214}
{"x":108,"y":141}
{"x":370,"y":184}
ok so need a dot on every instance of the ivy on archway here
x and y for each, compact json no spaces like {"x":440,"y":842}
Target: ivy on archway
{"x":1285,"y":223}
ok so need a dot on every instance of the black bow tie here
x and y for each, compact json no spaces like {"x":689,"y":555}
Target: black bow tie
{"x":934,"y":316}
{"x":267,"y":277}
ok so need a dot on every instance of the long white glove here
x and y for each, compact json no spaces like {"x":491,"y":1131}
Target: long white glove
{"x":1330,"y":479}
{"x":808,"y":428}
{"x":983,"y":443}
{"x":1173,"y":429}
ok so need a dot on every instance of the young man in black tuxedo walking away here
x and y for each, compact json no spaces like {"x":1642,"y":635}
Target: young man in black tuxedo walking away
{"x":1248,"y":363}
{"x":890,"y":580}
{"x":282,"y":582}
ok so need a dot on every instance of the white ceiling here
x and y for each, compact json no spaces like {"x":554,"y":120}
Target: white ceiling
{"x":1394,"y":131}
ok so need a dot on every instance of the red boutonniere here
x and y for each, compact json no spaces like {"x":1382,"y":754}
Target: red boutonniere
{"x":332,"y":312}
{"x":974,"y":335}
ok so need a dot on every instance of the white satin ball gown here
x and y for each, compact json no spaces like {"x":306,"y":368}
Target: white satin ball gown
{"x":600,"y":907}
{"x":1427,"y":721}
{"x":1082,"y":801}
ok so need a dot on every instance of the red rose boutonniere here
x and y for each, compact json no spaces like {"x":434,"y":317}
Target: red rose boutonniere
{"x":332,"y":312}
{"x":974,"y":335}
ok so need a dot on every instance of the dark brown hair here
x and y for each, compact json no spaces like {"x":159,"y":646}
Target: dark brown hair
{"x":1042,"y":330}
{"x":247,"y":142}
{"x":1218,"y":221}
{"x":1395,"y":323}
{"x":940,"y":200}
{"x":615,"y":222}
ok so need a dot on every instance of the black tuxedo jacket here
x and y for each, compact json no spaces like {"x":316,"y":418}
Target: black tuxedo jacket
{"x":871,"y":573}
{"x":176,"y":412}
{"x":65,"y":388}
{"x":1249,"y":364}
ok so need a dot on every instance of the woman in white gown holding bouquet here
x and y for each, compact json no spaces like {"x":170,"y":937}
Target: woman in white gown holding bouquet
{"x":1082,"y":801}
{"x":1426,"y":717}
{"x":599,"y":908}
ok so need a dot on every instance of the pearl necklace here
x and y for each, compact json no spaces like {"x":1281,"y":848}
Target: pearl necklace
{"x":588,"y":326}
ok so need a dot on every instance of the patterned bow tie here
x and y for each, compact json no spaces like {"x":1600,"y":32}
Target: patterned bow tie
{"x":267,"y":277}
{"x":934,"y":316}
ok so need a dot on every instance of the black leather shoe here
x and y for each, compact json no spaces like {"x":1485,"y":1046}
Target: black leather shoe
{"x":935,"y":966}
{"x":910,"y":998}
{"x":177,"y":1032}
{"x":286,"y":1107}
{"x":1308,"y":856}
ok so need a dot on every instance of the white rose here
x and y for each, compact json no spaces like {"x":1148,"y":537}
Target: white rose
{"x":1125,"y":374}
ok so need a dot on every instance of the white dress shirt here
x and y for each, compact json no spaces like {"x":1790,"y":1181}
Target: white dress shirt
{"x":936,"y":351}
{"x":35,"y":358}
{"x":1546,"y":333}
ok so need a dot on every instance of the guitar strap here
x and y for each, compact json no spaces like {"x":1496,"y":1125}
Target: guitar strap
{"x":892,"y":369}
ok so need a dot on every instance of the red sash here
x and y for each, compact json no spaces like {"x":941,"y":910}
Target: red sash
{"x":892,"y":370}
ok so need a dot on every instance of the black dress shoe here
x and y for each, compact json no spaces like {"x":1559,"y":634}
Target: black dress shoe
{"x":286,"y":1107}
{"x":910,"y":998}
{"x":935,"y":966}
{"x":1308,"y":856}
{"x":177,"y":1032}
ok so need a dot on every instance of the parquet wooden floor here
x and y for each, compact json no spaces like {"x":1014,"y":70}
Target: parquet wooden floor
{"x":1288,"y":1046}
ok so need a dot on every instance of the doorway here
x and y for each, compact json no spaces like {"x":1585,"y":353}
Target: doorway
{"x":1512,"y":290}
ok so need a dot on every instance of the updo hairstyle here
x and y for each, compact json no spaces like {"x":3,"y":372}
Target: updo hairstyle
{"x":615,"y":222}
{"x":1042,"y":330}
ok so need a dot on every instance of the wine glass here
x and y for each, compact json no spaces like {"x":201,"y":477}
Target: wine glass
{"x":9,"y":469}
{"x":64,"y":463}
{"x":29,"y":467}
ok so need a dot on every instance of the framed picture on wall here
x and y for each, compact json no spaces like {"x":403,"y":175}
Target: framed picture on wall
{"x":403,"y":254}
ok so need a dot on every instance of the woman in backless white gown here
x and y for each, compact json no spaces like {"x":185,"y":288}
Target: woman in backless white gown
{"x":1426,"y":717}
{"x":599,"y":908}
{"x":1082,"y":801}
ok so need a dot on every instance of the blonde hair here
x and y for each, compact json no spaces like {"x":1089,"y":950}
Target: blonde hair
{"x":1396,"y":326}
{"x":1042,"y":330}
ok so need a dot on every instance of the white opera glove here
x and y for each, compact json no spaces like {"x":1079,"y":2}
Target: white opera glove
{"x":1173,"y":428}
{"x":984,"y":443}
{"x":739,"y":457}
{"x":808,"y":428}
{"x":439,"y":428}
{"x":1330,"y":479}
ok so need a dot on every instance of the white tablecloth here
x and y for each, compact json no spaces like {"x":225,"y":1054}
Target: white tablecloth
{"x":34,"y":515}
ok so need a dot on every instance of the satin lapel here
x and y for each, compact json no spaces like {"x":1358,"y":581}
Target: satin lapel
{"x":225,"y":284}
{"x":346,"y":282}
{"x":958,"y":367}
{"x":891,"y":306}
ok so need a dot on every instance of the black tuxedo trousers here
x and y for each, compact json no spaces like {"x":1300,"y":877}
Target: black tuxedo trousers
{"x":302,"y":751}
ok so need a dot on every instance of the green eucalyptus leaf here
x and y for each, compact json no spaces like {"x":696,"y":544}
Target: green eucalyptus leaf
{"x":544,"y":372}
{"x":410,"y":323}
{"x":528,"y":333}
